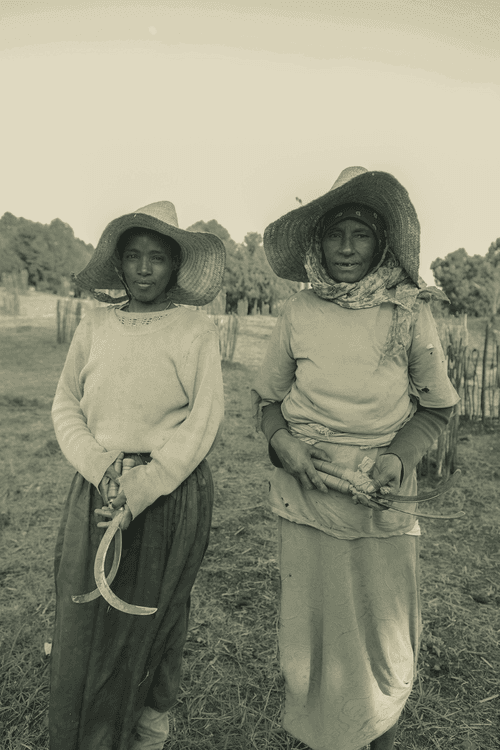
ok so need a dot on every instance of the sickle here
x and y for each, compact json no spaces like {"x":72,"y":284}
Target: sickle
{"x":458,"y":514}
{"x":100,"y":577}
{"x":323,"y":467}
{"x":383,"y":500}
{"x":84,"y":598}
{"x":431,"y":495}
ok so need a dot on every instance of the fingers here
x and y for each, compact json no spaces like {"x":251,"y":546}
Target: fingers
{"x":106,"y":513}
{"x":318,"y":453}
{"x":103,"y":489}
{"x":119,"y":501}
{"x":310,"y":479}
{"x":111,"y":472}
{"x":125,"y":521}
{"x":387,"y":471}
{"x":366,"y":501}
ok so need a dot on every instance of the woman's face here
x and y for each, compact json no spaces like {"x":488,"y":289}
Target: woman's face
{"x":147,"y":266}
{"x":349,"y":248}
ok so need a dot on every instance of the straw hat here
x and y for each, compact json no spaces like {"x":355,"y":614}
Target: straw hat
{"x":286,"y":240}
{"x":203,"y":256}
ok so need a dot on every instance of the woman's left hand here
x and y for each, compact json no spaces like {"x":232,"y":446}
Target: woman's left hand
{"x":387,"y":472}
{"x":109,"y":513}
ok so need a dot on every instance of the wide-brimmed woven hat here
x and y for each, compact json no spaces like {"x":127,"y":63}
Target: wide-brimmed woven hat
{"x":203,"y":256}
{"x":286,"y":240}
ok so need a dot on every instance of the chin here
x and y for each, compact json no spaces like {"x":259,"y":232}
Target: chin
{"x":346,"y":279}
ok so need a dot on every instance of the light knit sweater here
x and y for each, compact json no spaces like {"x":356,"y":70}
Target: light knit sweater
{"x":140,"y":383}
{"x":324,"y":362}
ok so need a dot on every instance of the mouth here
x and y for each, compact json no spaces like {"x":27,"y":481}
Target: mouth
{"x":347,"y":265}
{"x":143,"y":284}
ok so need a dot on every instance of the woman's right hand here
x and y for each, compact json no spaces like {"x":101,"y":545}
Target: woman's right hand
{"x":109,"y":475}
{"x":296,"y":458}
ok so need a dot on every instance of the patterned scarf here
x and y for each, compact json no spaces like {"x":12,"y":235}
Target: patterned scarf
{"x":370,"y":291}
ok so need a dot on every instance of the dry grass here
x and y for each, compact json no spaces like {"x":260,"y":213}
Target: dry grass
{"x":231,"y":692}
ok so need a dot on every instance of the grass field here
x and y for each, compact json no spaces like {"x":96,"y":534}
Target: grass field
{"x":232,"y":691}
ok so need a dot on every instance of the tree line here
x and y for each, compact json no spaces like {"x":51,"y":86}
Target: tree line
{"x":248,"y":275}
{"x":50,"y":253}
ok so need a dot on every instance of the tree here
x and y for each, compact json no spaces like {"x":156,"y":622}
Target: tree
{"x":9,"y":259}
{"x":235,"y":271}
{"x":248,"y":274}
{"x":49,"y":253}
{"x":467,"y":281}
{"x":263,"y":286}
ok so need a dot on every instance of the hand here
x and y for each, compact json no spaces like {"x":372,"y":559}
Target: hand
{"x":387,"y":472}
{"x":296,"y":458}
{"x":110,"y":513}
{"x":109,"y":475}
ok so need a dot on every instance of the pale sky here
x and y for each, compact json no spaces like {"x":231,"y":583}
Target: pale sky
{"x":231,"y":110}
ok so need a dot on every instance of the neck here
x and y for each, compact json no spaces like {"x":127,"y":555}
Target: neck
{"x":136,"y":305}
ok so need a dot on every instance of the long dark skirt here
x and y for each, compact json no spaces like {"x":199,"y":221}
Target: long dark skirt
{"x":107,"y":665}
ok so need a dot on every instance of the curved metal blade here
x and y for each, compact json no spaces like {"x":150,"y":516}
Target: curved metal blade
{"x":100,"y":578}
{"x":84,"y":598}
{"x":420,"y":498}
{"x":458,"y":514}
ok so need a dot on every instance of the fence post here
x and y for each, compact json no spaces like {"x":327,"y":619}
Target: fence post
{"x":483,"y":379}
{"x":227,"y":326}
{"x":69,"y":313}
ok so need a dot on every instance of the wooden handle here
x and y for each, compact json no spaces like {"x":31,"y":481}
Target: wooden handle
{"x":121,"y":466}
{"x":113,"y":486}
{"x":335,"y":483}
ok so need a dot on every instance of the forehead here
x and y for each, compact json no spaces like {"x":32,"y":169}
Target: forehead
{"x":146,"y":242}
{"x":352,"y":224}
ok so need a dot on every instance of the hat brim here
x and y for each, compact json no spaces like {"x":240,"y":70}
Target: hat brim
{"x":286,"y":240}
{"x":201,"y":272}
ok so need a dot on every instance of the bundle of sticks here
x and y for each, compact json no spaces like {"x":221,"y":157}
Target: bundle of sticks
{"x":364,"y":490}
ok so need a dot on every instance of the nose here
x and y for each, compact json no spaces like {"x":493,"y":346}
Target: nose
{"x":346,"y":247}
{"x":144,"y":266}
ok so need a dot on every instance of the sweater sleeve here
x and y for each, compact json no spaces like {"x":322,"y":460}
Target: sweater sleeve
{"x":272,"y":420}
{"x":418,"y":435}
{"x":77,"y":443}
{"x":277,"y":373}
{"x":201,"y":378}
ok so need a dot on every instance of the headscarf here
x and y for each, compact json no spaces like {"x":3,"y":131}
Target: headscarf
{"x":358,"y":212}
{"x":385,"y":282}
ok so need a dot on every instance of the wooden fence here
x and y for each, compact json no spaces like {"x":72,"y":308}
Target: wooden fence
{"x":217,"y":306}
{"x":13,"y":285}
{"x":474,"y":370}
{"x":228,"y":326}
{"x":475,"y":374}
{"x":69,"y":313}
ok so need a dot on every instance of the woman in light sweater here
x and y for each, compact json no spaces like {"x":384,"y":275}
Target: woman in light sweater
{"x":354,"y":369}
{"x":141,"y":380}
